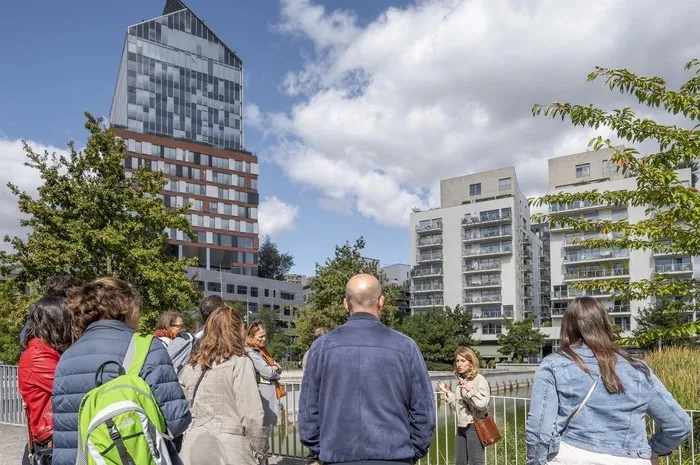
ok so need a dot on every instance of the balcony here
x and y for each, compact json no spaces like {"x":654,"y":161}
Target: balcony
{"x":478,"y":236}
{"x":428,"y":242}
{"x":596,"y":255}
{"x":487,"y":219}
{"x":475,"y":268}
{"x":427,"y":287}
{"x":597,"y":274}
{"x":659,"y":252}
{"x":569,"y":241}
{"x":675,"y":268}
{"x":429,"y":257}
{"x":618,"y":309}
{"x":427,"y":228}
{"x":481,"y":284}
{"x":479,"y":299}
{"x":505,"y":249}
{"x":493,"y":315}
{"x":573,"y":293}
{"x":426,"y":303}
{"x":576,"y":206}
{"x":428,"y":272}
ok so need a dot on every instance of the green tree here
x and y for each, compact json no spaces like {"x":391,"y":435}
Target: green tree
{"x":277,"y":341}
{"x":656,"y":325}
{"x":325,"y":305}
{"x":90,"y":219}
{"x":271,"y":263}
{"x":520,"y":339}
{"x":14,"y":308}
{"x":672,"y":209}
{"x":439,"y":331}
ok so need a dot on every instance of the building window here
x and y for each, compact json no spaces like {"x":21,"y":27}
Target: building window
{"x":253,"y":291}
{"x":491,"y":328}
{"x":230,"y":288}
{"x":286,"y":296}
{"x":267,"y":293}
{"x":287,"y":311}
{"x":242,"y":290}
{"x":214,"y":287}
{"x":583,"y":171}
{"x":200,"y":285}
{"x":504,"y":185}
{"x":475,"y":189}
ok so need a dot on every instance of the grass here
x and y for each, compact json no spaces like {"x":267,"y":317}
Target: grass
{"x":679,"y":369}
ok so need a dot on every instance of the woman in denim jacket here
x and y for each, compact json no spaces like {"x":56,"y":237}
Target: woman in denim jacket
{"x":609,"y":428}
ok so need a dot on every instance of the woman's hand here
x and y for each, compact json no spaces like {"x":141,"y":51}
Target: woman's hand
{"x":463,"y":384}
{"x":443,"y":387}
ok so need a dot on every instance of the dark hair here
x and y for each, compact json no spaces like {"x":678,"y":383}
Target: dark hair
{"x":585,"y":321}
{"x":222,"y":339}
{"x":208,"y":305}
{"x":103,"y":299}
{"x":50,"y":321}
{"x":167,"y":319}
{"x":60,"y":285}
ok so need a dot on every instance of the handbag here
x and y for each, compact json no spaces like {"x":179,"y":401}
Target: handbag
{"x":486,"y":430}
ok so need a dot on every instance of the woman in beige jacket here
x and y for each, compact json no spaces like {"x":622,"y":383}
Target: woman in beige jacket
{"x":219,"y":382}
{"x":470,"y":400}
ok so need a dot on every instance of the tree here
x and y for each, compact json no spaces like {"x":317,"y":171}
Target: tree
{"x":14,"y":307}
{"x":439,"y":331}
{"x":271,"y":263}
{"x":521,"y":339}
{"x":91,"y":219}
{"x":655,"y":325}
{"x":325,"y":305}
{"x":277,"y":341}
{"x":672,"y":209}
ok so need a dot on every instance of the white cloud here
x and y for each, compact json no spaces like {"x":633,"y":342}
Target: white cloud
{"x":444,"y":88}
{"x":276,"y":216}
{"x":25,"y":178}
{"x":253,"y":116}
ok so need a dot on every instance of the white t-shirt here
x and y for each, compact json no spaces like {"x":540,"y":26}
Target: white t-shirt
{"x":570,"y":455}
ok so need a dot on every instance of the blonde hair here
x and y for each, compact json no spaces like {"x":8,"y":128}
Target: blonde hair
{"x":470,"y":355}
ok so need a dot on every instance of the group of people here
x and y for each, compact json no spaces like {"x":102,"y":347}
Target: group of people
{"x":366,"y":395}
{"x":212,"y":388}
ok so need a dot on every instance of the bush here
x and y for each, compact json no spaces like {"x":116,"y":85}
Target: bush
{"x":439,"y":366}
{"x":679,"y":369}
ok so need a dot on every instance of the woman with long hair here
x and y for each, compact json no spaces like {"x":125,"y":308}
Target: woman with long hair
{"x":48,"y":335}
{"x":105,"y":316}
{"x":471,"y":400}
{"x":268,"y":373}
{"x":590,"y":400}
{"x":169,"y":325}
{"x":227,"y":413}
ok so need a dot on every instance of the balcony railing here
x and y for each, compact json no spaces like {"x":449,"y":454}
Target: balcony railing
{"x":490,"y":251}
{"x":427,"y":302}
{"x":479,"y":235}
{"x":426,"y":272}
{"x":479,"y":299}
{"x":487,"y":283}
{"x":674,"y":268}
{"x":597,"y":255}
{"x":481,"y":267}
{"x":593,"y":274}
{"x":493,"y":314}
{"x":576,"y":205}
{"x":618,"y":309}
{"x":436,"y":226}
{"x":428,"y":241}
{"x":486,"y":219}
{"x":429,"y":257}
{"x":428,"y":287}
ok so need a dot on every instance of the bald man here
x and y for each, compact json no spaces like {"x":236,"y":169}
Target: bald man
{"x":366,"y":395}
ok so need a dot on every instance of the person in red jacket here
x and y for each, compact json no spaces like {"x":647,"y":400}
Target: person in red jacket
{"x":48,"y":335}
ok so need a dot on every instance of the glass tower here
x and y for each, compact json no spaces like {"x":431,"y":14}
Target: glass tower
{"x":178,"y":103}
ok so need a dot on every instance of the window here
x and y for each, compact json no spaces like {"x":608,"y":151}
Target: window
{"x":475,"y":189}
{"x":286,"y":296}
{"x":242,"y":290}
{"x":609,"y":168}
{"x":214,"y":287}
{"x":267,"y":293}
{"x":504,"y":185}
{"x":200,"y":285}
{"x":491,"y":328}
{"x":230,"y":288}
{"x":253,"y":291}
{"x":583,"y":171}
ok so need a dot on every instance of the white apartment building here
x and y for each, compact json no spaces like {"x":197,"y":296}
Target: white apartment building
{"x":477,"y":250}
{"x":572,"y":263}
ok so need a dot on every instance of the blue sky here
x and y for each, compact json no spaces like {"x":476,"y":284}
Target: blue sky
{"x":356,"y":108}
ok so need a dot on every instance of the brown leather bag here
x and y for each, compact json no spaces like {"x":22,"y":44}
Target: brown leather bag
{"x":487,"y":430}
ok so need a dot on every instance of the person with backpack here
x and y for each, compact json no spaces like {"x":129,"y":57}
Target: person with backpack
{"x":48,"y":335}
{"x":119,"y":381}
{"x":227,"y":412}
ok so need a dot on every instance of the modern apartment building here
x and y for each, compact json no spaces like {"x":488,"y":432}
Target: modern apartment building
{"x":399,"y":275}
{"x":477,"y":251}
{"x":178,"y":105}
{"x":571,"y":263}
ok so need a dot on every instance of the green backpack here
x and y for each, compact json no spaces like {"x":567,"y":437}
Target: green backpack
{"x":119,"y":422}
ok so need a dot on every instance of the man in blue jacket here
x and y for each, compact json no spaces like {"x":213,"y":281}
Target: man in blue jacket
{"x":366,"y":394}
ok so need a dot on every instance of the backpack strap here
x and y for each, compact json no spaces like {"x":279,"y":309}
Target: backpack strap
{"x":582,"y":404}
{"x":137,"y":352}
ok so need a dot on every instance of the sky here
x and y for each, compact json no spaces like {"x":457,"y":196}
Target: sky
{"x":355,"y":108}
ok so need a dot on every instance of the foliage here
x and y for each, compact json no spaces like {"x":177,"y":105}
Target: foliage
{"x":439,"y":331}
{"x":520,"y":339}
{"x":672,"y":209}
{"x":271,"y":263}
{"x":679,"y":369}
{"x":325,"y":305}
{"x":90,"y":219}
{"x":14,"y":309}
{"x":656,"y":324}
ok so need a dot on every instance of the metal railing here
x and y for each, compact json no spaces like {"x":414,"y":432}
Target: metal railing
{"x":478,"y":299}
{"x":585,"y":255}
{"x":428,"y":271}
{"x":480,"y":235}
{"x":11,"y":405}
{"x":427,"y":241}
{"x":427,"y":303}
{"x":486,"y":218}
{"x":427,"y":257}
{"x":674,"y":268}
{"x":482,"y":266}
{"x":487,"y":283}
{"x":429,"y":227}
{"x":507,"y":248}
{"x":427,"y":287}
{"x":605,"y":273}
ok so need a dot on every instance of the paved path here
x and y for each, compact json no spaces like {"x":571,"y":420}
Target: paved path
{"x":13,"y":439}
